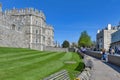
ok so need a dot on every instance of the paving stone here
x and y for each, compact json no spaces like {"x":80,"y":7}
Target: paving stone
{"x":102,"y":71}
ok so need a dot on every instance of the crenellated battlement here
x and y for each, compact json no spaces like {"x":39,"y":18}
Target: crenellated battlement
{"x":25,"y":11}
{"x":49,"y":27}
{"x":25,"y":28}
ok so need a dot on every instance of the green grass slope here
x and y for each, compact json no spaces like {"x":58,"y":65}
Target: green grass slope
{"x":26,"y":64}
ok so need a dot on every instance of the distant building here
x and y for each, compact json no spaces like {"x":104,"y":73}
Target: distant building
{"x":25,"y":28}
{"x":73,"y":44}
{"x":116,"y":39}
{"x":103,"y":37}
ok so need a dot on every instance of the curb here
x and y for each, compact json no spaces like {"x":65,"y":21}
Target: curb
{"x":85,"y":75}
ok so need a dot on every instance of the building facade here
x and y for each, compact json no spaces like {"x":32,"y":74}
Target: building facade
{"x":26,"y":28}
{"x":103,"y":37}
{"x":116,"y":40}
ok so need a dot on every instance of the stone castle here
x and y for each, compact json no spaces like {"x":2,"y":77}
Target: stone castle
{"x":25,"y":28}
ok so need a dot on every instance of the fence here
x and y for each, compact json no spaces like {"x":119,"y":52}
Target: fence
{"x":111,"y":58}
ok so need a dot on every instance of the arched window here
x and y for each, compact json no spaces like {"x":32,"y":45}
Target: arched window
{"x":13,"y":26}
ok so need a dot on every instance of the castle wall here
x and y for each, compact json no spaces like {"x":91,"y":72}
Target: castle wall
{"x":25,"y":28}
{"x":56,"y":49}
{"x":49,"y":33}
{"x":12,"y":38}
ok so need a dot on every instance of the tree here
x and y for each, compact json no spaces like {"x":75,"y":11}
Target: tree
{"x":84,"y":40}
{"x":65,"y":44}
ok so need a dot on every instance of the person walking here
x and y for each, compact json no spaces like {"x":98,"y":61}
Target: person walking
{"x":104,"y":55}
{"x":112,"y":51}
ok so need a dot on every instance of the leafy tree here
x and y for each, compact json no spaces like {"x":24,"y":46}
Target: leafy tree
{"x":84,"y":40}
{"x":65,"y":44}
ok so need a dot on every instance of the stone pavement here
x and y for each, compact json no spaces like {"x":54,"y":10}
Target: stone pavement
{"x":104,"y":71}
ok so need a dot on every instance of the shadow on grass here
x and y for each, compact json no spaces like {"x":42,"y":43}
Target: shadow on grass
{"x":80,"y":66}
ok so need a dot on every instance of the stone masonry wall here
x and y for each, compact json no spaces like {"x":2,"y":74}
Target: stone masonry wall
{"x":11,"y":38}
{"x":56,"y":49}
{"x":25,"y":28}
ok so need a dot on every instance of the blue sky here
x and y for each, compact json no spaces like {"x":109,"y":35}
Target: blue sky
{"x":71,"y":17}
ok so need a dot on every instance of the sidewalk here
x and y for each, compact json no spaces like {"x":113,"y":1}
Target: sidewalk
{"x":104,"y":71}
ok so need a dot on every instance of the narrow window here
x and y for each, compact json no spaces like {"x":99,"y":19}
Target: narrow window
{"x":36,"y":22}
{"x":13,"y":27}
{"x":37,"y":32}
{"x":18,"y":28}
{"x":37,"y":40}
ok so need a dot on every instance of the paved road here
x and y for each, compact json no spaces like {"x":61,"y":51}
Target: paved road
{"x":104,"y":71}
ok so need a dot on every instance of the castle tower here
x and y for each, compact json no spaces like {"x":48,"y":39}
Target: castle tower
{"x":0,"y":7}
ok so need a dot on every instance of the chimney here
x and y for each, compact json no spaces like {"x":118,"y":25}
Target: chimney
{"x":98,"y":31}
{"x":0,"y":7}
{"x":109,"y":27}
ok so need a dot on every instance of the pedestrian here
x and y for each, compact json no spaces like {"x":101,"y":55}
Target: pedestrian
{"x":112,"y":51}
{"x":104,"y":55}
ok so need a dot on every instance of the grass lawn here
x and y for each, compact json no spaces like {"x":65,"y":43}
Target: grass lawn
{"x":26,"y":64}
